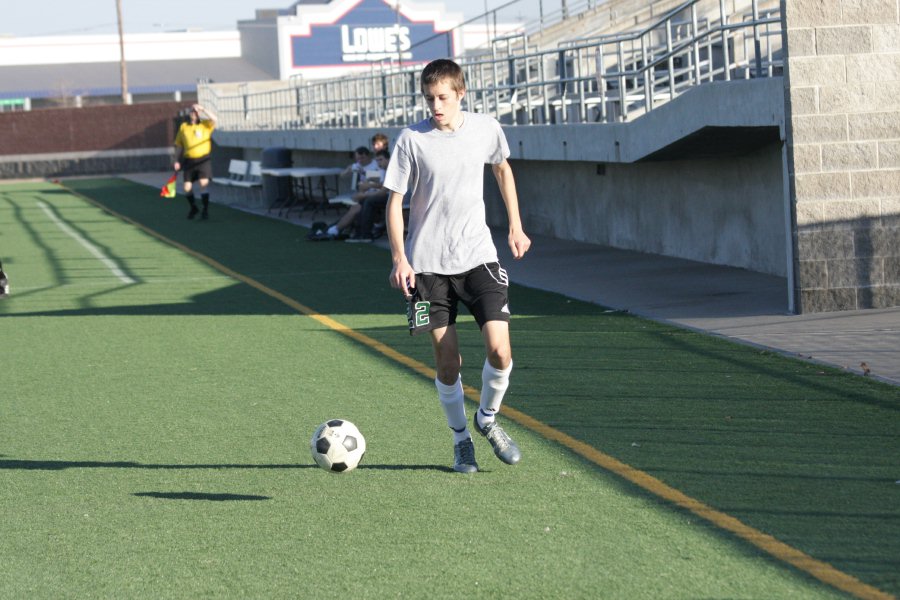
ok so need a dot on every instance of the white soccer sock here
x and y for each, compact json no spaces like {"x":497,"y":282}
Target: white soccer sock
{"x":493,"y":386}
{"x":453,"y":403}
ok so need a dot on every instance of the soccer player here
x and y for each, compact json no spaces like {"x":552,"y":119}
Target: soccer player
{"x":193,"y":146}
{"x":4,"y":283}
{"x":449,"y":255}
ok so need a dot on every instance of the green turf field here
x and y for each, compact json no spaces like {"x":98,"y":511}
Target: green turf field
{"x":161,"y":379}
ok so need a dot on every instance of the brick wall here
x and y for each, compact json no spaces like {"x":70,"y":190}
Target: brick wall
{"x":117,"y":127}
{"x":843,"y":129}
{"x":95,"y":140}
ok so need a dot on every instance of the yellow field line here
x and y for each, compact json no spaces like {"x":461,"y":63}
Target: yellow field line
{"x":765,"y":542}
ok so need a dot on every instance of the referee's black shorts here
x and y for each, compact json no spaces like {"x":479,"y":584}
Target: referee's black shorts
{"x":435,"y":300}
{"x":195,"y":169}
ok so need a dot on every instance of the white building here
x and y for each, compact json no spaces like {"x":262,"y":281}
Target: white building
{"x":308,"y":39}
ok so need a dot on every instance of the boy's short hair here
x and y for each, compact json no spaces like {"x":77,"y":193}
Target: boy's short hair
{"x":363,"y":151}
{"x":441,"y":69}
{"x":380,"y":137}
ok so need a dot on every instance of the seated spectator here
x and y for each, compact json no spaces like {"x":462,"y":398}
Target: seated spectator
{"x":373,"y":205}
{"x":362,"y":161}
{"x":379,"y":142}
{"x":369,"y":190}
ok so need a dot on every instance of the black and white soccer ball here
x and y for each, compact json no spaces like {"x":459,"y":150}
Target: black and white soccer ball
{"x":338,"y":446}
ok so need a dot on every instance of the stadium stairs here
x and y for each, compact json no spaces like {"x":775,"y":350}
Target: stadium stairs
{"x":718,"y":118}
{"x":622,"y":16}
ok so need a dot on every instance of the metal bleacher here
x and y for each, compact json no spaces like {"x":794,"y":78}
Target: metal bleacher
{"x":610,"y":62}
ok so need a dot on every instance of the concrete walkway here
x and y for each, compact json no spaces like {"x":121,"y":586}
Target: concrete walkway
{"x":741,"y":305}
{"x":734,"y":303}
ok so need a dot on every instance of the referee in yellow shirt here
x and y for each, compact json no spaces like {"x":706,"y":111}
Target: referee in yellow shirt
{"x":193,"y":146}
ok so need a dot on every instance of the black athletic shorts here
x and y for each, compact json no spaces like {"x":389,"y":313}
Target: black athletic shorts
{"x":195,"y":169}
{"x":435,"y":299}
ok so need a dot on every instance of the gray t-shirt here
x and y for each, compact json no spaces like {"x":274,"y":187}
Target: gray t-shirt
{"x":444,"y":173}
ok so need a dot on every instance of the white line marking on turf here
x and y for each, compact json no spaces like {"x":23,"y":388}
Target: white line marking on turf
{"x":98,"y":254}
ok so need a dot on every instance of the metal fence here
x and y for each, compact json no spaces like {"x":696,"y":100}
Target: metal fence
{"x":607,"y":78}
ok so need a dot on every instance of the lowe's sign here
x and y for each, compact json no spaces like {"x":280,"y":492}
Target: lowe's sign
{"x":365,"y":31}
{"x":375,"y":43}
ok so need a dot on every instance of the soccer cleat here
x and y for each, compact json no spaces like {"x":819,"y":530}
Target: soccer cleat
{"x":205,"y":214}
{"x":505,"y":449}
{"x":464,"y":455}
{"x":193,"y":212}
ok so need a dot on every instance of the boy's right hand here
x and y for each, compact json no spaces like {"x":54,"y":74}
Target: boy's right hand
{"x":403,"y":277}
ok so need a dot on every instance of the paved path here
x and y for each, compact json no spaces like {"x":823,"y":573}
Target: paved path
{"x":734,"y":303}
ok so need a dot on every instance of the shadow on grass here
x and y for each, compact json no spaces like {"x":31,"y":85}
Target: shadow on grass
{"x":233,"y":300}
{"x":75,"y":228}
{"x":332,"y":279}
{"x":200,"y":496}
{"x":61,"y":465}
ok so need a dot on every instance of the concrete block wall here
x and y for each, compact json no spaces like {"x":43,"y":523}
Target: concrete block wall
{"x":842,"y":92}
{"x":725,"y":211}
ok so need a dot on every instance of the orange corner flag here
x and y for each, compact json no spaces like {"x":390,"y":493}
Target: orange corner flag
{"x":168,"y":190}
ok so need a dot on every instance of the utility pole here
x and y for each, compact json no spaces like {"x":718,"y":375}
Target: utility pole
{"x":399,"y":50}
{"x":122,"y":70}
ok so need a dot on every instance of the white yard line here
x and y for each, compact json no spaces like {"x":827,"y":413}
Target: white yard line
{"x":98,"y":254}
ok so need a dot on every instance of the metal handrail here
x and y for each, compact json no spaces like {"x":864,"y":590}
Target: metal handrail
{"x":599,"y":79}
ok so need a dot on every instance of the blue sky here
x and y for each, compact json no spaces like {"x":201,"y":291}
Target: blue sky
{"x":91,"y":17}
